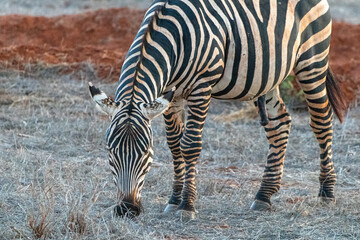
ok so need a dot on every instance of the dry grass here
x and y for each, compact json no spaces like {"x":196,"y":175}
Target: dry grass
{"x":56,"y":184}
{"x":247,"y":111}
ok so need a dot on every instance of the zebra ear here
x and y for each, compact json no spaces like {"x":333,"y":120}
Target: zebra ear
{"x":159,"y":105}
{"x":104,"y":103}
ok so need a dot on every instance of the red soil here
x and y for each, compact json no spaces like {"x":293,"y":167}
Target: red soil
{"x":345,"y":58}
{"x":103,"y":37}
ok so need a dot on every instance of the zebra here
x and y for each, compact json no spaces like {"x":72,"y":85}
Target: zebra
{"x":187,"y":52}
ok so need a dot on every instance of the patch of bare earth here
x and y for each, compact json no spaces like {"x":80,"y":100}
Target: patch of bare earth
{"x":69,"y":43}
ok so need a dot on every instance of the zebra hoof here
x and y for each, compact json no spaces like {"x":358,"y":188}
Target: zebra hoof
{"x":328,"y":201}
{"x":186,"y":216}
{"x":259,"y":205}
{"x":170,"y":208}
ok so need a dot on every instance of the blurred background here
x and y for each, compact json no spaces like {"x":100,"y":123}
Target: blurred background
{"x":347,"y":10}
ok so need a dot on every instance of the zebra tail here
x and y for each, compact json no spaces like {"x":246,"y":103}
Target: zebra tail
{"x":335,"y":95}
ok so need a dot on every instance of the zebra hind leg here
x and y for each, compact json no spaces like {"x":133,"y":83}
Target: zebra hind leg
{"x":277,"y":132}
{"x":313,"y":80}
{"x":174,"y":121}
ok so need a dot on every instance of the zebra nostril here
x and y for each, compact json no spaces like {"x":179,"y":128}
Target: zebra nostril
{"x":126,"y":209}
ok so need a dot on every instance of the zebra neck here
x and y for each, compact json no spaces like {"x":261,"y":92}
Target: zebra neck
{"x":151,"y":60}
{"x":152,"y":73}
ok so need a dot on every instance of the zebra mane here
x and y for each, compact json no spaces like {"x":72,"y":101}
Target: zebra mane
{"x":148,"y":30}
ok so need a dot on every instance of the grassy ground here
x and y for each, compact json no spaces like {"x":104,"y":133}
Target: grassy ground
{"x":55,"y":178}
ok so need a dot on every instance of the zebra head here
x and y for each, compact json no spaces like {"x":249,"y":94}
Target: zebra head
{"x":129,"y":144}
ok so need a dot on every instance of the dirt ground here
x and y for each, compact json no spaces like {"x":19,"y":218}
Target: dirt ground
{"x":54,"y":173}
{"x":98,"y":39}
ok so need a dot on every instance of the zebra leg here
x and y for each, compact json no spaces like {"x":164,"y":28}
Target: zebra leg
{"x":191,"y":144}
{"x":313,"y":83}
{"x":174,"y":120}
{"x":277,"y":132}
{"x":262,"y":110}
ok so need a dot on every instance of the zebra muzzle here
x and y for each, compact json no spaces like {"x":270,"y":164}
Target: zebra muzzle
{"x":127,"y":209}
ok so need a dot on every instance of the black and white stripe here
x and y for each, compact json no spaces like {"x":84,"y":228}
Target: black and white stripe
{"x":226,"y":49}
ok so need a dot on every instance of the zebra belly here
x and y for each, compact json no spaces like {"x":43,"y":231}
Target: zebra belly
{"x":240,"y":87}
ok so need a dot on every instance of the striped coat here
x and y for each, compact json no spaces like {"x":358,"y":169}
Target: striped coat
{"x":189,"y":51}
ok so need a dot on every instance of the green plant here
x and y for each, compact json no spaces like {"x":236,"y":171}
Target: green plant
{"x":291,"y":92}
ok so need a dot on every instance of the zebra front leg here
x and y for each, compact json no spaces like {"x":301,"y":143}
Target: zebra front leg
{"x":174,"y":120}
{"x":277,"y":132}
{"x":191,"y":145}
